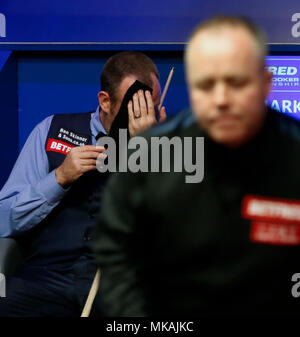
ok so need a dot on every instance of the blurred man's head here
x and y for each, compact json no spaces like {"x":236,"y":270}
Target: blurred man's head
{"x":227,"y":79}
{"x":118,"y":74}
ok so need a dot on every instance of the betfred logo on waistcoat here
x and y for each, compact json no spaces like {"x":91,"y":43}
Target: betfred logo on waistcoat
{"x":274,"y":221}
{"x":271,"y":209}
{"x":58,"y":146}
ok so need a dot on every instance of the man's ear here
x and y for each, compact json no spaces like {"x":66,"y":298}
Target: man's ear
{"x":104,"y":101}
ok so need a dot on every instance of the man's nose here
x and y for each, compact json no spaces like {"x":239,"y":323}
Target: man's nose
{"x":221,"y":95}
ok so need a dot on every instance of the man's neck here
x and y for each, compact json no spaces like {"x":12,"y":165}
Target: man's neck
{"x":105,"y":123}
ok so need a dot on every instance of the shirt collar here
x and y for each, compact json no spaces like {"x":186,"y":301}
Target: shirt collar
{"x":96,"y":125}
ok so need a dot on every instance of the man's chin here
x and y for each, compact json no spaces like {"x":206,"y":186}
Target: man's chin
{"x":229,"y":139}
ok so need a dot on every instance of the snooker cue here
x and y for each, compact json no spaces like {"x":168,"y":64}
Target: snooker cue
{"x":92,"y":294}
{"x":166,"y":88}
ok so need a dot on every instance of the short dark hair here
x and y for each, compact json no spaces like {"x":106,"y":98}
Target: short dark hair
{"x":220,"y":21}
{"x":125,"y":64}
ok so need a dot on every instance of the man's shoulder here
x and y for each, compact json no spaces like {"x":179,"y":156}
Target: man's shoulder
{"x":288,"y":125}
{"x":45,"y":124}
{"x":73,"y":121}
{"x":61,"y":116}
{"x":72,"y":116}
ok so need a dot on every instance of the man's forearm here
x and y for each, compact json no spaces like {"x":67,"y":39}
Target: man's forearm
{"x":22,"y":210}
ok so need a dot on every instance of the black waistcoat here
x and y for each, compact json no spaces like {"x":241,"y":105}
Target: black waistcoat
{"x":65,"y":234}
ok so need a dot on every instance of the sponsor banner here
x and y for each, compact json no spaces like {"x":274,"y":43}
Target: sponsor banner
{"x":285,"y":102}
{"x":169,"y":21}
{"x":285,"y":93}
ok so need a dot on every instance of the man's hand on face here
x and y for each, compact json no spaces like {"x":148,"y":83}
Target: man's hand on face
{"x":141,"y":113}
{"x":80,"y":159}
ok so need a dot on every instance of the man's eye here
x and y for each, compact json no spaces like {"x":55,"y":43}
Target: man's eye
{"x":237,"y":82}
{"x":205,"y":86}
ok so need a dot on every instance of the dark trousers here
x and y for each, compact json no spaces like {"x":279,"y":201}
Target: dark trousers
{"x":54,"y":291}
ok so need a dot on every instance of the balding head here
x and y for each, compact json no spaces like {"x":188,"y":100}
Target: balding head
{"x":218,"y":23}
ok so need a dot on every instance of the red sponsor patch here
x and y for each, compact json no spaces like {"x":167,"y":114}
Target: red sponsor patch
{"x":58,"y":146}
{"x":271,"y":210}
{"x":274,"y":233}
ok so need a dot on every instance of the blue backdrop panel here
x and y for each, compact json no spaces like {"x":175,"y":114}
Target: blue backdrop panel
{"x":136,"y":21}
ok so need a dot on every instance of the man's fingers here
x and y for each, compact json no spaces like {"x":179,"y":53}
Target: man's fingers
{"x":130,"y":111}
{"x":87,"y":148}
{"x":88,"y":168}
{"x":89,"y":154}
{"x":150,"y":104}
{"x":88,"y":162}
{"x":143,"y":104}
{"x":162,"y":115}
{"x":136,"y":106}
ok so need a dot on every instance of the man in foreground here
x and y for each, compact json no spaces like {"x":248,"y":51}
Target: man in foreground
{"x":229,"y":244}
{"x":50,"y":201}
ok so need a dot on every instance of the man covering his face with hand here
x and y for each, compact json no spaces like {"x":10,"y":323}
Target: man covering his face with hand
{"x":50,"y":201}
